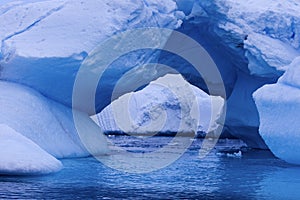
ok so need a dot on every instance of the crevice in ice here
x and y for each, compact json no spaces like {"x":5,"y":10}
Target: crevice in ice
{"x":36,"y":22}
{"x":4,"y":9}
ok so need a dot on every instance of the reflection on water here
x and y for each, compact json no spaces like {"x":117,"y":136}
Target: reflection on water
{"x":221,"y":175}
{"x":282,"y":183}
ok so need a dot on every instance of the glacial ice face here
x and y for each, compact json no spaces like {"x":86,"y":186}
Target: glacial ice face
{"x":158,"y":109}
{"x":273,"y":33}
{"x":48,"y":124}
{"x":60,"y":33}
{"x":20,"y":156}
{"x":252,"y":43}
{"x":269,"y":32}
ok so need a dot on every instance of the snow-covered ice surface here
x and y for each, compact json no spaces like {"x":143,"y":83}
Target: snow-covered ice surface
{"x":20,"y":156}
{"x":61,"y":33}
{"x":165,"y":105}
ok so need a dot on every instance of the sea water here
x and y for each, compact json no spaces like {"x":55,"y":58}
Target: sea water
{"x":229,"y":171}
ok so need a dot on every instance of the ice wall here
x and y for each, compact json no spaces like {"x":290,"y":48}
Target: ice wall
{"x":279,"y":107}
{"x":252,"y":42}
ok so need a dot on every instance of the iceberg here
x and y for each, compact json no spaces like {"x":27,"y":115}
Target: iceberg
{"x":279,"y":105}
{"x":159,"y":109}
{"x":21,"y":156}
{"x":254,"y":44}
{"x":46,"y":124}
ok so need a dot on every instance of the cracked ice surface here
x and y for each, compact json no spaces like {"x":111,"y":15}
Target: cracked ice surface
{"x":80,"y":27}
{"x":44,"y":43}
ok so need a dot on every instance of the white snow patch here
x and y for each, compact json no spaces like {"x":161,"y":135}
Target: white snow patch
{"x":21,"y":156}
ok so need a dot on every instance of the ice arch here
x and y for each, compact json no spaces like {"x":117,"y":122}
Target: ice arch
{"x":55,"y":56}
{"x":252,"y":44}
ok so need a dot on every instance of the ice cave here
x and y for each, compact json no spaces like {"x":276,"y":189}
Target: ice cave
{"x":254,"y":44}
